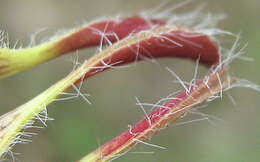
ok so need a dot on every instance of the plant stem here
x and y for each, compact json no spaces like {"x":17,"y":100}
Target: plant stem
{"x":172,"y":110}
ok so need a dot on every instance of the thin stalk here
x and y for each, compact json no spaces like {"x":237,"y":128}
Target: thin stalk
{"x":210,"y":86}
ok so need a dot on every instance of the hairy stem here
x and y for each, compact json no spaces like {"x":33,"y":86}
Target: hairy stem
{"x":205,"y":88}
{"x":166,"y":41}
{"x":105,"y":32}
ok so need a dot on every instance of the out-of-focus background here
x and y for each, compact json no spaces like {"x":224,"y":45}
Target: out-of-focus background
{"x":79,"y":127}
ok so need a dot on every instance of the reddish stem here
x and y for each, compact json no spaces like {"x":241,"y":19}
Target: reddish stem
{"x":113,"y":30}
{"x":170,"y":41}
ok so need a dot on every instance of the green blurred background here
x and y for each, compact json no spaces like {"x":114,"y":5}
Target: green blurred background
{"x":79,"y":128}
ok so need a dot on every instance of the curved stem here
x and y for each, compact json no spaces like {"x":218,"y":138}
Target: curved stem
{"x":93,"y":34}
